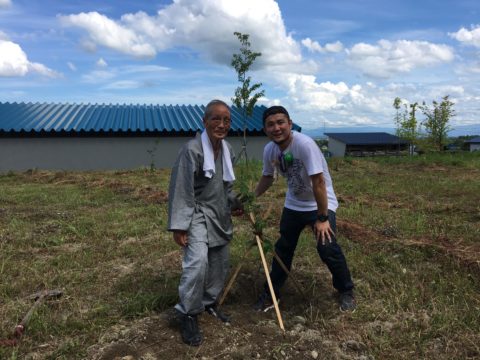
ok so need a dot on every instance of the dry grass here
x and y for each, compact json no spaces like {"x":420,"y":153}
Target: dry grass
{"x":409,"y":228}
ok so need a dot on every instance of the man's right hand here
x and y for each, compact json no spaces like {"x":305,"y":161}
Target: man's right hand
{"x":180,"y":237}
{"x":263,"y":184}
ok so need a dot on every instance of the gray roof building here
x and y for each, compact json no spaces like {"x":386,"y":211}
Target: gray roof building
{"x":365,"y":144}
{"x":102,"y":137}
{"x":474,"y":144}
{"x":475,"y":140}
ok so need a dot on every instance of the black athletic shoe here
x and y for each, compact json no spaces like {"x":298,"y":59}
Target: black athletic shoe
{"x":216,"y":312}
{"x":347,"y":301}
{"x":190,"y":332}
{"x":264,"y":302}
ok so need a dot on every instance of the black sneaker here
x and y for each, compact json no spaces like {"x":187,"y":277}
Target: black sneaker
{"x":347,"y":301}
{"x":264,"y":302}
{"x":190,"y":332}
{"x":215,"y":312}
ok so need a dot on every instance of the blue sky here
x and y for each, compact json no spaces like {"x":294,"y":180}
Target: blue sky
{"x":332,"y":62}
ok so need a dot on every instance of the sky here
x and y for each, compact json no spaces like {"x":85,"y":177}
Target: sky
{"x":331,"y":63}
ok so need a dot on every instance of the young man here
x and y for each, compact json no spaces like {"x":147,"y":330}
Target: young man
{"x":310,"y":201}
{"x":200,"y":205}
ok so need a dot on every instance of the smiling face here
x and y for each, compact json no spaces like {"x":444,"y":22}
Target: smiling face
{"x":278,"y":128}
{"x":217,"y":123}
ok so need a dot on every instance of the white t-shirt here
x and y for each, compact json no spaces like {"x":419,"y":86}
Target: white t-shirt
{"x":307,"y":160}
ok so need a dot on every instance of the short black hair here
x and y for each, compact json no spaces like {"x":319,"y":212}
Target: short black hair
{"x":210,"y":105}
{"x":272,"y":110}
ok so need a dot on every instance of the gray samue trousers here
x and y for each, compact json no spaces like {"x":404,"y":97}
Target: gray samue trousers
{"x":204,"y":270}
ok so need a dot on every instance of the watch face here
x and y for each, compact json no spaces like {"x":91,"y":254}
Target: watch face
{"x":322,"y":218}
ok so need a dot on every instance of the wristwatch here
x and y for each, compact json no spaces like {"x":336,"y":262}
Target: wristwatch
{"x":322,"y":218}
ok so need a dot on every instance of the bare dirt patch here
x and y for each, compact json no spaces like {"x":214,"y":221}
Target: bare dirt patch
{"x":251,"y":335}
{"x":468,"y":255}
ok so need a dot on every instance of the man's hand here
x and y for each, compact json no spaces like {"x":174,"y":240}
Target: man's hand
{"x":236,"y":205}
{"x":180,"y":237}
{"x":237,"y":212}
{"x":323,"y":231}
{"x":263,"y":184}
{"x":236,"y":208}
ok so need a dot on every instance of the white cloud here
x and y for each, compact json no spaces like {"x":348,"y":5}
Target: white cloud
{"x":42,"y":70}
{"x":138,"y":69}
{"x":205,"y":26}
{"x":104,"y":75}
{"x":71,"y":66}
{"x":101,"y":63}
{"x":315,"y":103}
{"x":98,"y":76}
{"x":314,"y":46}
{"x":453,"y":91}
{"x":469,"y":37}
{"x":334,"y":47}
{"x":124,"y":85}
{"x":14,"y":62}
{"x":109,"y":33}
{"x":343,"y":105}
{"x":312,"y":95}
{"x":5,"y":3}
{"x":390,"y":58}
{"x":468,"y":68}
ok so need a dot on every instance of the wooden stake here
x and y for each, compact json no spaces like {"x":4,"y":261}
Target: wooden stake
{"x":234,"y":275}
{"x":269,"y":281}
{"x":283,"y":266}
{"x":280,"y":262}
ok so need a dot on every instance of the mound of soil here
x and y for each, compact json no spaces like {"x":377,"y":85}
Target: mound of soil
{"x":250,"y":336}
{"x":315,"y":329}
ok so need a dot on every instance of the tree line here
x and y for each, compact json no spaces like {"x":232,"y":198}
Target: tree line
{"x":435,"y":124}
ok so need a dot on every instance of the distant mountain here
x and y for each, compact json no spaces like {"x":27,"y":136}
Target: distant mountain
{"x":465,"y":130}
{"x":318,"y":133}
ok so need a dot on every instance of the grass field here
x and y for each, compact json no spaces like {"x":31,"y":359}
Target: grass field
{"x":410,"y":228}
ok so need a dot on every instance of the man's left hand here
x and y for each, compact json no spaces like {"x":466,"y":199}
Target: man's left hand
{"x":323,"y":231}
{"x":237,"y":212}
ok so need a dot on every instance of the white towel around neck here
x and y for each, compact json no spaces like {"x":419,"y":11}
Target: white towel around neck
{"x":209,"y":161}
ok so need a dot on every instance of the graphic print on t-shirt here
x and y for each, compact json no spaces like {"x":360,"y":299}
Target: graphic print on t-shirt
{"x":294,"y":178}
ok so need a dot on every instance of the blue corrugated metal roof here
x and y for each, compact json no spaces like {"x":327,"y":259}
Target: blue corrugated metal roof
{"x":474,"y":140}
{"x":368,"y":138}
{"x":73,"y":118}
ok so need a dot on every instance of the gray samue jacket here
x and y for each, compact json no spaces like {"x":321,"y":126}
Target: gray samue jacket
{"x":191,"y":194}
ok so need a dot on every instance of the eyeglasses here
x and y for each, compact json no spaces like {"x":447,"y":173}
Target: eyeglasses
{"x":216,"y":121}
{"x":285,"y":160}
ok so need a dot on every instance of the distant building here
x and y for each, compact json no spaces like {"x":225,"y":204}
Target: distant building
{"x":474,"y":144}
{"x":452,"y":147}
{"x":109,"y":137}
{"x":365,"y":144}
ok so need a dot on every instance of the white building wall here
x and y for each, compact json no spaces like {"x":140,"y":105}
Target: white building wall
{"x":474,"y":147}
{"x":336,"y":148}
{"x":20,"y":154}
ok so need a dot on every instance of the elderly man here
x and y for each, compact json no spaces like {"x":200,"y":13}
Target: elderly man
{"x":200,"y":205}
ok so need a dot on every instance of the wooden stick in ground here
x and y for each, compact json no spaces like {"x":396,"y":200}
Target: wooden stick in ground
{"x":269,"y":281}
{"x":234,"y":275}
{"x":279,"y":261}
{"x":283,"y":266}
